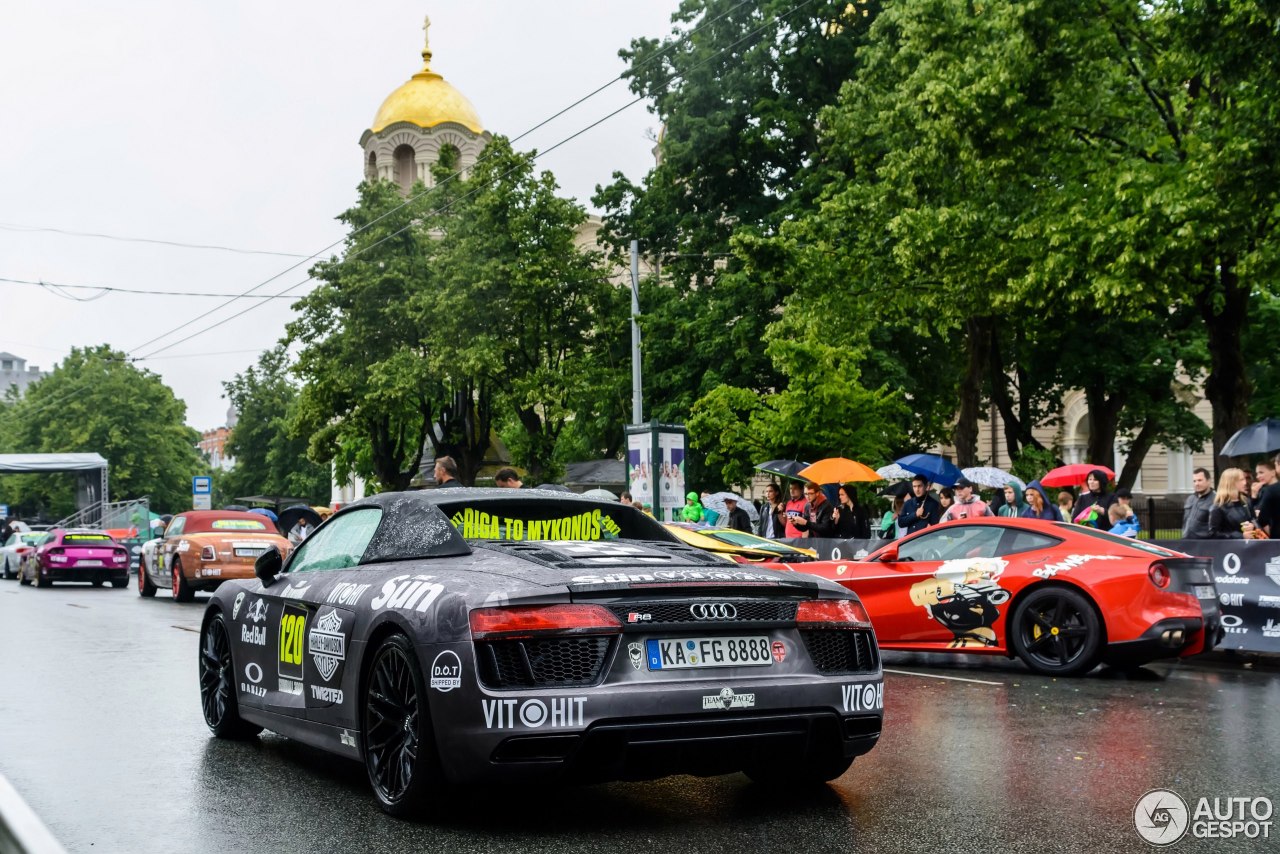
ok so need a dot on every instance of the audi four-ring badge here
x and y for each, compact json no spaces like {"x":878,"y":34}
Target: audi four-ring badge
{"x":469,"y":636}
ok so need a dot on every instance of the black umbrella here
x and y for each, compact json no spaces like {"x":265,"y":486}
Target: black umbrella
{"x":290,"y":516}
{"x":783,"y":468}
{"x":896,"y":490}
{"x":1260,"y":438}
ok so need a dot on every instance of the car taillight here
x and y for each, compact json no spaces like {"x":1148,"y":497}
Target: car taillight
{"x":525,"y":621}
{"x":1159,"y":575}
{"x":57,"y":555}
{"x":119,"y":556}
{"x":207,"y":553}
{"x":23,"y":549}
{"x":833,"y":613}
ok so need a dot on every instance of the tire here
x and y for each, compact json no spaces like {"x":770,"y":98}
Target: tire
{"x":146,"y":589}
{"x":218,"y":684}
{"x":1056,"y":632}
{"x":119,"y":583}
{"x":8,"y":573}
{"x":801,"y":772}
{"x":41,"y":581}
{"x":22,"y":578}
{"x":182,"y":591}
{"x":399,"y":744}
{"x":97,"y":582}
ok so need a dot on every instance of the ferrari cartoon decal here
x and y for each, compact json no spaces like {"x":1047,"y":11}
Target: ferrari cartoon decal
{"x":963,"y":595}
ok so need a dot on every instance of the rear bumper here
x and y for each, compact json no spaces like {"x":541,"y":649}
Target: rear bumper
{"x":647,"y":748}
{"x":85,"y":574}
{"x":1177,"y":637}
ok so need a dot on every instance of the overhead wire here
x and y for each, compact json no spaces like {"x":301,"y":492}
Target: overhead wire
{"x":9,"y":226}
{"x":472,"y":192}
{"x":451,"y":177}
{"x":129,"y":357}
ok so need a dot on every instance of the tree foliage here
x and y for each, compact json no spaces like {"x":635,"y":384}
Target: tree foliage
{"x":97,"y":401}
{"x":271,"y":456}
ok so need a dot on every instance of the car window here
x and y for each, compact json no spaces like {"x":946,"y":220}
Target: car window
{"x":339,"y":544}
{"x":176,"y":526}
{"x":1016,"y":541}
{"x":1149,"y":548}
{"x":953,"y":542}
{"x":12,"y":541}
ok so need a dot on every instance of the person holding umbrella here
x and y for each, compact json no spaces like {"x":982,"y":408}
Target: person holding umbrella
{"x":1268,"y":506}
{"x":920,"y":510}
{"x":852,"y":522}
{"x":1092,"y":505}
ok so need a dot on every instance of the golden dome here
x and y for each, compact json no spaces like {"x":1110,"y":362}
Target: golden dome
{"x":426,"y":100}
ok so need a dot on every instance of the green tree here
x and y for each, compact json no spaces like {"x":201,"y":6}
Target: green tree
{"x":97,"y":401}
{"x":738,"y":88}
{"x":271,"y":458}
{"x":519,"y":307}
{"x":369,"y":398}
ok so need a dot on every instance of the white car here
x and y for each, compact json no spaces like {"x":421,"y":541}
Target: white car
{"x":18,"y":544}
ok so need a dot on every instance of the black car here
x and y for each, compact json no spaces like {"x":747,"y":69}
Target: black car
{"x":472,"y":635}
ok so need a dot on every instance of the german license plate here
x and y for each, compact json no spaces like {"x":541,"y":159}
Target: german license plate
{"x":691,"y":653}
{"x":1204,"y":591}
{"x":88,"y":563}
{"x":250,"y":552}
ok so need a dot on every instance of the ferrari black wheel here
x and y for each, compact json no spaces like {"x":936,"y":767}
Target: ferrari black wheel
{"x":41,"y":580}
{"x":97,"y":582}
{"x":182,"y":591}
{"x":805,"y":771}
{"x":399,"y":745}
{"x":1056,"y":632}
{"x":218,"y":686}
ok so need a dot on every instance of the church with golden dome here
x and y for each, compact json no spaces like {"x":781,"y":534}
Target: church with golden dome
{"x":423,"y":120}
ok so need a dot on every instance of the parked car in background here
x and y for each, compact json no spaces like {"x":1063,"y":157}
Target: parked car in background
{"x":739,"y":546}
{"x":202,"y":549}
{"x":1060,"y":597}
{"x":80,"y":555}
{"x":11,"y":552}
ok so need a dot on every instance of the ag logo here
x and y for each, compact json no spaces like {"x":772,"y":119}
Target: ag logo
{"x":446,"y":671}
{"x":235,"y":609}
{"x":1161,"y":817}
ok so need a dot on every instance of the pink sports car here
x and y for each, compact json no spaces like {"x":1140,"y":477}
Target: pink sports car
{"x":76,"y":555}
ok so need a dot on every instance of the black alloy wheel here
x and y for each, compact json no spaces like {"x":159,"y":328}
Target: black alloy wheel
{"x":399,"y":745}
{"x":1056,"y":632}
{"x":218,"y":684}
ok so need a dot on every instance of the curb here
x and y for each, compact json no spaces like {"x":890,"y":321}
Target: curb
{"x":21,"y":830}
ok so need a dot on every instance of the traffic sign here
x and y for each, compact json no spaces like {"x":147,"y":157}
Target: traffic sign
{"x":202,"y":502}
{"x":201,"y":485}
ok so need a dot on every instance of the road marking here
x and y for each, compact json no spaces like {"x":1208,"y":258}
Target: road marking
{"x":73,"y":605}
{"x":186,"y":629}
{"x":948,"y":678}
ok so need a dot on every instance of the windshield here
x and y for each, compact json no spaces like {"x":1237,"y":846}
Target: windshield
{"x":1140,"y":545}
{"x":738,"y":538}
{"x":540,"y":519}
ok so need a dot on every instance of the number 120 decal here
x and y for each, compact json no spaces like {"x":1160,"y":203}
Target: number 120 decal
{"x":293,"y":628}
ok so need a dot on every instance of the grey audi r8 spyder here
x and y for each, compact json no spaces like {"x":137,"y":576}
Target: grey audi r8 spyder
{"x":466,"y":636}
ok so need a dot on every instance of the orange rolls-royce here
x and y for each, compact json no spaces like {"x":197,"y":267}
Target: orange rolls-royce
{"x":203,"y":548}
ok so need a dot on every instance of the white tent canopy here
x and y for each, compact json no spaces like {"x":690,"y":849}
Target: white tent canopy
{"x":38,"y":463}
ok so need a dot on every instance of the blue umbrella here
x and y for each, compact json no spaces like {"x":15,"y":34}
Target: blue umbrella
{"x":262,"y":511}
{"x":933,"y":467}
{"x":1260,"y":438}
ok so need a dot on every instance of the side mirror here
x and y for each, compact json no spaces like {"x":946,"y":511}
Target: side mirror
{"x":268,"y":565}
{"x":889,"y":555}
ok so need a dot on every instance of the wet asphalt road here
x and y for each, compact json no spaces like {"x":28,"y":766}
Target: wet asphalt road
{"x":100,"y":729}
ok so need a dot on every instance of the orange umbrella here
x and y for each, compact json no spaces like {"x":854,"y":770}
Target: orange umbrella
{"x":839,"y":470}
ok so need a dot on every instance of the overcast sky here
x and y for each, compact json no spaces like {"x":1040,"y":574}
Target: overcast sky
{"x":238,"y":124}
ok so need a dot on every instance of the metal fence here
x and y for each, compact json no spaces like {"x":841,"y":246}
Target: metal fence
{"x":1161,"y":518}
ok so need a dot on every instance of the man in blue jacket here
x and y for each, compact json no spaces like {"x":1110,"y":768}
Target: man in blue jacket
{"x":920,"y":510}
